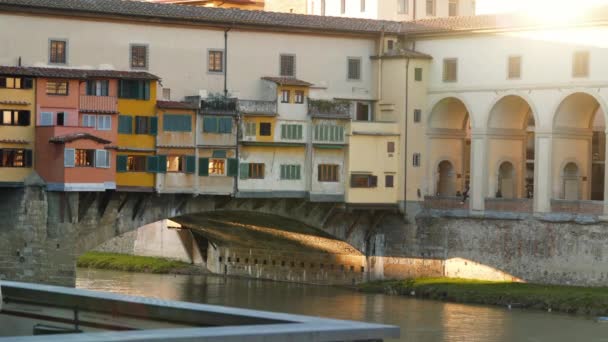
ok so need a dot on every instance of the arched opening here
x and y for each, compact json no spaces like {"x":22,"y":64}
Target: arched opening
{"x":446,"y":185}
{"x":506,"y":181}
{"x":511,"y":134}
{"x":571,"y":182}
{"x":579,"y":134}
{"x":449,"y":135}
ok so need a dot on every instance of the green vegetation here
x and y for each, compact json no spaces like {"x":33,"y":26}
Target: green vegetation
{"x":567,"y":299}
{"x":130,"y":263}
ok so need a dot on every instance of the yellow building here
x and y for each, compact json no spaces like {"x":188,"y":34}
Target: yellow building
{"x":17,"y":112}
{"x":136,"y":161}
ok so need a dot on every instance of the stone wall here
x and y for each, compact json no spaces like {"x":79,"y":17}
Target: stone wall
{"x":122,"y":244}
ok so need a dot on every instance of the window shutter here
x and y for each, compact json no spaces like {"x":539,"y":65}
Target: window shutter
{"x":125,"y":124}
{"x":244,"y":170}
{"x":298,"y":171}
{"x":283,"y":131}
{"x":187,"y":123}
{"x":226,"y":125}
{"x":283,"y":172}
{"x":190,"y":164}
{"x":210,"y":125}
{"x":100,"y":158}
{"x":233,"y":167}
{"x":203,"y":167}
{"x":340,"y":133}
{"x":24,"y":118}
{"x":121,"y":163}
{"x":152,"y":164}
{"x":28,"y":83}
{"x":153,"y":126}
{"x":161,"y":166}
{"x":69,"y":156}
{"x":373,"y":181}
{"x":46,"y":119}
{"x":219,"y":154}
{"x":300,"y":131}
{"x":146,"y":86}
{"x":29,"y":160}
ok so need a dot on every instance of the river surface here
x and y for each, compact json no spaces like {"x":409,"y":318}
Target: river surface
{"x":420,"y":320}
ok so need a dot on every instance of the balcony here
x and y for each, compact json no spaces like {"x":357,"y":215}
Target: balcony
{"x":329,"y":108}
{"x":99,"y":104}
{"x":219,"y":105}
{"x":258,"y":107}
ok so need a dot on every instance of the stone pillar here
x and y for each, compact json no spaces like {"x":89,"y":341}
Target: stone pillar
{"x":478,"y":171}
{"x":606,"y":179}
{"x":543,"y":172}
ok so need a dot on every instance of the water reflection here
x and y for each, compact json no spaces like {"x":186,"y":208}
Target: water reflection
{"x":420,"y":321}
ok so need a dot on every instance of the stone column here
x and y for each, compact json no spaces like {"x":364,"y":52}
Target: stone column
{"x":478,"y":170}
{"x":605,"y":216}
{"x":543,"y":172}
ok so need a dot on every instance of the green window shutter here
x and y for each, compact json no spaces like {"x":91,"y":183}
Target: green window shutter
{"x":153,"y":125}
{"x":300,"y":130}
{"x":210,"y":125}
{"x":244,"y":170}
{"x":121,"y":163}
{"x":298,"y":171}
{"x":233,"y":167}
{"x":125,"y":124}
{"x":146,"y":86}
{"x":203,"y":167}
{"x":226,"y":125}
{"x":190,"y":164}
{"x":284,"y":131}
{"x":29,"y":158}
{"x":187,"y":123}
{"x":283,"y":171}
{"x":332,"y":133}
{"x":162,"y":164}
{"x":340,"y":133}
{"x":152,"y":164}
{"x":316,"y":132}
{"x":218,"y":154}
{"x":168,"y":123}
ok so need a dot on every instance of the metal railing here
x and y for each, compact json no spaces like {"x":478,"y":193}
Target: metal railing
{"x":329,"y":107}
{"x":219,"y":105}
{"x":257,"y":107}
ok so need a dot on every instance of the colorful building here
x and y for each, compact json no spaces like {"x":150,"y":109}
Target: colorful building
{"x":136,"y":159}
{"x":17,"y":134}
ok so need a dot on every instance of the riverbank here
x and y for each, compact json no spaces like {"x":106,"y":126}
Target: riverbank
{"x":567,"y":299}
{"x":132,"y":263}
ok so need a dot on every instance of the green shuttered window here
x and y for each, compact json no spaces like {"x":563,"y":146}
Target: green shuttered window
{"x":220,"y":125}
{"x":233,"y":167}
{"x":177,"y":123}
{"x":125,"y":124}
{"x":190,"y":164}
{"x":156,"y":164}
{"x":332,"y":133}
{"x":121,"y":163}
{"x":290,"y":172}
{"x":203,"y":167}
{"x":134,"y":89}
{"x":291,"y":132}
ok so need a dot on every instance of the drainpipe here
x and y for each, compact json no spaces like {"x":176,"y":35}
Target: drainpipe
{"x":380,"y":53}
{"x":226,"y":61}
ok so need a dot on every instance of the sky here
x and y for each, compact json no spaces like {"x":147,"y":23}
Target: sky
{"x":498,"y":6}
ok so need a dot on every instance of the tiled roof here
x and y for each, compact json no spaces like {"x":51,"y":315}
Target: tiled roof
{"x":62,"y":139}
{"x":133,"y":10}
{"x":14,"y":103}
{"x":288,"y":81}
{"x":74,"y":73}
{"x":402,"y":53}
{"x":14,"y":141}
{"x":175,"y":105}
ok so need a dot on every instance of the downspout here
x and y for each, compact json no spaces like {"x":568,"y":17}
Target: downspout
{"x":380,"y":54}
{"x":226,"y":61}
{"x":237,"y":120}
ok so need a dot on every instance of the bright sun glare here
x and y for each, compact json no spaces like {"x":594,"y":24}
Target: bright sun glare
{"x":545,"y":10}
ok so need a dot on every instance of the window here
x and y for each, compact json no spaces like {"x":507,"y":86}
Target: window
{"x":220,"y":125}
{"x":89,"y":120}
{"x":250,"y":129}
{"x":342,"y":6}
{"x":136,"y":163}
{"x":58,"y":51}
{"x":354,"y":69}
{"x":102,"y":159}
{"x":167,"y":94}
{"x":134,"y":89}
{"x":417,"y":115}
{"x":104,"y":123}
{"x":290,"y":172}
{"x":430,"y":7}
{"x":46,"y":119}
{"x":291,"y":132}
{"x":216,"y":61}
{"x":57,"y":88}
{"x":450,"y":70}
{"x":139,"y":56}
{"x":176,"y":164}
{"x":61,"y":118}
{"x":125,"y":124}
{"x":16,"y":83}
{"x":333,"y":133}
{"x":453,"y":8}
{"x":390,"y":44}
{"x":402,"y":6}
{"x":98,"y":88}
{"x":15,"y":117}
{"x":146,"y":125}
{"x":390,"y":147}
{"x":363,"y":112}
{"x":252,"y":171}
{"x":265,"y":129}
{"x":389,"y":181}
{"x":362,"y":5}
{"x":418,"y":74}
{"x":285,"y":95}
{"x":328,"y":173}
{"x":83,"y":158}
{"x":177,"y":123}
{"x":580,"y":64}
{"x":514,"y":67}
{"x":416,"y":160}
{"x":15,"y":158}
{"x":299,"y":96}
{"x":288,"y":65}
{"x":217,"y":167}
{"x":363,"y":181}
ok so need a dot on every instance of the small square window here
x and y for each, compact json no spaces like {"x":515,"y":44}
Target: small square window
{"x":265,"y":128}
{"x":288,"y":65}
{"x":417,"y":115}
{"x":167,"y":94}
{"x":390,"y":147}
{"x":450,"y":70}
{"x":299,"y":96}
{"x":418,"y":74}
{"x":139,"y":56}
{"x":389,"y":181}
{"x":580,"y":64}
{"x":416,"y":160}
{"x":216,"y":61}
{"x":58,"y":51}
{"x":354,"y":69}
{"x":390,"y":44}
{"x":514,"y":69}
{"x":285,"y":95}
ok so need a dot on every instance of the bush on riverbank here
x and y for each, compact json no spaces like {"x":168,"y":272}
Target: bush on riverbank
{"x":131,"y":263}
{"x":568,"y":299}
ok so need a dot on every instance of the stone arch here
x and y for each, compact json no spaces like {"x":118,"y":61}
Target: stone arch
{"x":446,"y":179}
{"x":588,"y":101}
{"x":450,"y":112}
{"x":523,"y":105}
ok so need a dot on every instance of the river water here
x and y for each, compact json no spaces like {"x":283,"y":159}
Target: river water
{"x":420,"y":320}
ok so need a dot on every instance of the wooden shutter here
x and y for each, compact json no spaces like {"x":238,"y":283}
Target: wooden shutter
{"x":152,"y":164}
{"x":125,"y":124}
{"x":146,"y":86}
{"x":121,"y":163}
{"x":233,"y":167}
{"x":244,"y":170}
{"x":29,"y":160}
{"x":283,"y":172}
{"x":153,"y":128}
{"x":298,"y":172}
{"x":373,"y":181}
{"x":210,"y":125}
{"x":203,"y":167}
{"x":418,"y":74}
{"x":28,"y":83}
{"x":190,"y":164}
{"x":69,"y":157}
{"x":299,"y":131}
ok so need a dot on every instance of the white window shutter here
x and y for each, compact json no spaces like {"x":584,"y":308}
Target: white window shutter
{"x":46,"y":119}
{"x":101,"y":159}
{"x":69,"y":156}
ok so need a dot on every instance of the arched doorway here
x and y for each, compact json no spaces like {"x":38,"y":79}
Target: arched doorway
{"x":446,"y":185}
{"x":579,"y":134}
{"x":449,"y":138}
{"x":511,"y":134}
{"x":506,"y":181}
{"x":571,"y":181}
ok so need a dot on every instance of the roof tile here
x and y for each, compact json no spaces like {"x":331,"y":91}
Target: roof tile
{"x":75,"y":73}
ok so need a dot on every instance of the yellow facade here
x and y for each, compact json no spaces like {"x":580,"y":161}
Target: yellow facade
{"x":262,"y":119}
{"x":292,"y":92}
{"x":137,"y":144}
{"x":17,"y":137}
